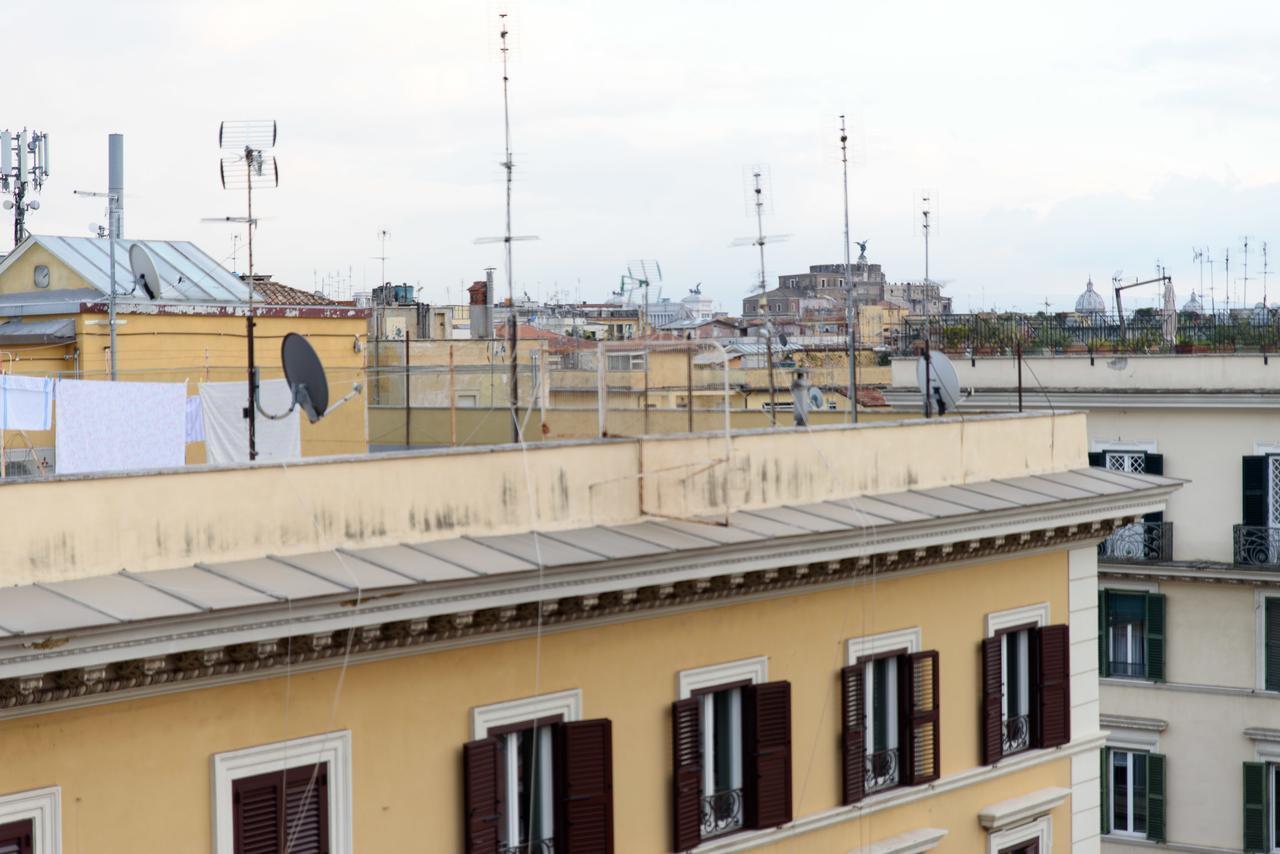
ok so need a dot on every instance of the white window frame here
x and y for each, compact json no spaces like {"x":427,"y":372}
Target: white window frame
{"x":41,"y":807}
{"x":333,"y":748}
{"x":998,"y":621}
{"x":566,"y":704}
{"x":1040,"y":830}
{"x":1111,"y":794}
{"x":1144,"y":445}
{"x":753,"y":670}
{"x":908,"y":639}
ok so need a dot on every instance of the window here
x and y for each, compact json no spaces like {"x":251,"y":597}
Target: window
{"x":891,"y":726}
{"x":626,"y":361}
{"x":537,"y":779}
{"x":1261,"y":798}
{"x":1131,"y":634}
{"x":1025,"y":684}
{"x":1149,"y":539}
{"x":1031,"y":847}
{"x":731,"y":752}
{"x":1133,"y":784}
{"x":293,"y":795}
{"x":468,"y":401}
{"x":1257,"y":538}
{"x":16,"y":837}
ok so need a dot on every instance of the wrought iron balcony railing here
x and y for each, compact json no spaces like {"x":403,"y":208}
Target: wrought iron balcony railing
{"x":721,"y":812}
{"x":1017,"y":734}
{"x":1141,"y":541}
{"x":540,"y":846}
{"x":881,"y":770}
{"x":1257,"y":545}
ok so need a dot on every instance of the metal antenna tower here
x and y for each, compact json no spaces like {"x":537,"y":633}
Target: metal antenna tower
{"x":760,"y":240}
{"x":1244,"y":299}
{"x":16,"y":179}
{"x":115,"y":160}
{"x":509,"y":165}
{"x":851,"y":310}
{"x":1197,"y":257}
{"x":249,"y":169}
{"x":1264,"y":274}
{"x":1226,"y":275}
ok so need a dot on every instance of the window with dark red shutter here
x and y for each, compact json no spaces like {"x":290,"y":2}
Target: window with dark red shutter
{"x":992,"y":700}
{"x":16,"y":837}
{"x":585,"y":778}
{"x":853,"y":733}
{"x":686,"y":748}
{"x":282,"y":811}
{"x":923,"y":738}
{"x":767,"y":774}
{"x":1054,"y":686}
{"x":481,"y":796}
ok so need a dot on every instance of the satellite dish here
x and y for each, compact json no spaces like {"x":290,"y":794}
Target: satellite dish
{"x":782,"y":339}
{"x":815,"y":398}
{"x":305,"y":375}
{"x":144,"y":270}
{"x":945,"y":384}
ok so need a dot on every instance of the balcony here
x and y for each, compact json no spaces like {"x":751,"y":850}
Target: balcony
{"x":1256,"y":545}
{"x":881,"y":770}
{"x":1141,"y":542}
{"x":721,"y":813}
{"x":1016,"y":734}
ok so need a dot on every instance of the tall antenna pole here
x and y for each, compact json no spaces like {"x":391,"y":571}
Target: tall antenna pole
{"x":928,"y":365}
{"x":764,"y":300}
{"x":1226,"y":275}
{"x":1244,"y":297}
{"x":509,"y":165}
{"x":1264,"y":274}
{"x":253,"y":380}
{"x":851,"y":313}
{"x":1213,"y":291}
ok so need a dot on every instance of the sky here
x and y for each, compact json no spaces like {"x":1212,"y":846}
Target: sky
{"x":1057,"y":141}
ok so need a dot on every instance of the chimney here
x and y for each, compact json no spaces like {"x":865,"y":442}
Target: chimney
{"x":115,"y":179}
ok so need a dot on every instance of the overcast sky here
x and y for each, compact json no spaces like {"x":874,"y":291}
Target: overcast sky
{"x":1060,"y":142}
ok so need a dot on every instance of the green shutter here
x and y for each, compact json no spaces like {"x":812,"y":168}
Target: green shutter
{"x":1106,"y":800}
{"x":1271,"y":644}
{"x":1104,"y":659}
{"x":1255,"y":806}
{"x":1155,"y":636}
{"x":1155,"y":797}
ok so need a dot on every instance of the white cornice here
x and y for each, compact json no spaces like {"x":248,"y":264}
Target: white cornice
{"x":1017,"y":810}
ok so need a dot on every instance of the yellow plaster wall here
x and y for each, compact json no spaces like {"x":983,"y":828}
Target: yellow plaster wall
{"x":20,"y":276}
{"x":135,"y":775}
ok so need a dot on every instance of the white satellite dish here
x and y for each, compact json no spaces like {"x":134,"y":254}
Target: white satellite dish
{"x":943,"y":381}
{"x":816,"y":400}
{"x":144,"y":270}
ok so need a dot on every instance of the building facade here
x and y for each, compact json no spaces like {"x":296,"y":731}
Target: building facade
{"x":751,"y":655}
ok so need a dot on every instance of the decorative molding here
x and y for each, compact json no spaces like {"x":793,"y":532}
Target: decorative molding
{"x":893,"y":798}
{"x":566,"y":704}
{"x":333,"y":748}
{"x":1132,"y":585}
{"x":997,"y":621}
{"x":1260,"y":448}
{"x":911,"y":842}
{"x":907,"y":639}
{"x":1148,"y":445}
{"x":1005,"y":814}
{"x":754,"y":670}
{"x":1129,"y":733}
{"x":161,"y":659}
{"x":1126,"y":722}
{"x":1188,"y":687}
{"x":1266,"y":743}
{"x":43,"y":808}
{"x":1040,"y":830}
{"x":1258,"y":733}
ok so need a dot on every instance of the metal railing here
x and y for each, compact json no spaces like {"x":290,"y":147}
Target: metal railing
{"x":1144,"y":332}
{"x":721,"y":812}
{"x":1127,"y":669}
{"x":881,"y":770}
{"x":1256,"y":545}
{"x":1141,"y":541}
{"x":540,"y":846}
{"x":1016,"y":734}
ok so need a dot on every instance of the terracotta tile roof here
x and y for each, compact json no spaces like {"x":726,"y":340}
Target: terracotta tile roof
{"x":274,"y":293}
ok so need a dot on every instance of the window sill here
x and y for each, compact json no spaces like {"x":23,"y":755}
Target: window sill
{"x":1130,"y":839}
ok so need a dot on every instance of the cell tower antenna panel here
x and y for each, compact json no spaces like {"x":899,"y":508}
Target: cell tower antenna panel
{"x":24,"y":166}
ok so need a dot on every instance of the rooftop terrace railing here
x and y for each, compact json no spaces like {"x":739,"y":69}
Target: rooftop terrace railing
{"x":1144,"y":332}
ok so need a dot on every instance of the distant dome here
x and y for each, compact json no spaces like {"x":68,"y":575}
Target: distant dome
{"x":1260,"y":313}
{"x":1193,"y":305}
{"x":1090,"y":302}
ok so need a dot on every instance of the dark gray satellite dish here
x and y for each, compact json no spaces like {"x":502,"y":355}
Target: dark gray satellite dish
{"x":144,"y":270}
{"x":305,"y":376}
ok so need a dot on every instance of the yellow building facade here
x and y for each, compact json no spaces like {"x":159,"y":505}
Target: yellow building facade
{"x":790,"y":634}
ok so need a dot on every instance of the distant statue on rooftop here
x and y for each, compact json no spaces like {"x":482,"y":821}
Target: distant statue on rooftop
{"x":862,"y":250}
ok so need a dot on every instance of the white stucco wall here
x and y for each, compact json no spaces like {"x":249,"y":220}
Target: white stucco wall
{"x":1207,"y":703}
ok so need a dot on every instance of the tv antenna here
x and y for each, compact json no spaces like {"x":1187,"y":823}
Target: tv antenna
{"x":508,"y":238}
{"x":18,"y":176}
{"x":648,"y":269}
{"x":757,"y":175}
{"x":1226,"y":275}
{"x":1115,"y":284}
{"x":1264,"y":274}
{"x":248,"y":169}
{"x":1244,"y":293}
{"x":851,"y":309}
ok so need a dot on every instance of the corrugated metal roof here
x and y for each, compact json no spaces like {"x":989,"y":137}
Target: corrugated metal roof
{"x":187,"y":273}
{"x":38,"y":331}
{"x":42,"y":609}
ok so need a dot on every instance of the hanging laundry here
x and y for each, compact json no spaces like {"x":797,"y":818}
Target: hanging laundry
{"x":195,"y":419}
{"x":26,"y":403}
{"x":227,"y":430}
{"x":114,"y":426}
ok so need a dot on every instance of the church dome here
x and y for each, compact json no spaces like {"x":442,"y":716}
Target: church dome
{"x":1193,"y":305}
{"x":1090,"y":302}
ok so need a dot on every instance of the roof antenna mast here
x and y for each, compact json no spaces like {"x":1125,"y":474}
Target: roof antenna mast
{"x":758,"y":178}
{"x":509,"y":165}
{"x":851,"y":313}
